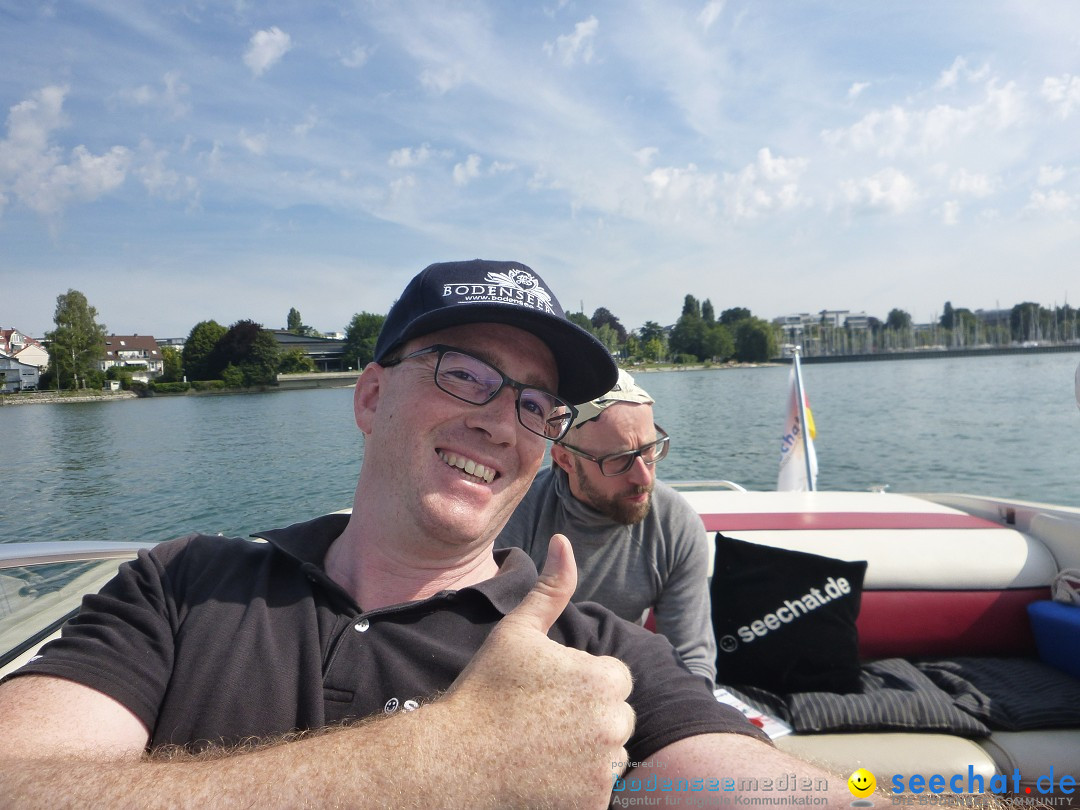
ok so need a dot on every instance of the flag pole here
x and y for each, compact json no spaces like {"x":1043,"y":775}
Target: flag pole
{"x":802,"y":418}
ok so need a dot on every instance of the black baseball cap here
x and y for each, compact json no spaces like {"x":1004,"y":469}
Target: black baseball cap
{"x":482,"y":291}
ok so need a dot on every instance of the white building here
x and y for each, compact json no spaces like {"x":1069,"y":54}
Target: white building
{"x":16,"y":375}
{"x":24,"y":348}
{"x":138,"y":354}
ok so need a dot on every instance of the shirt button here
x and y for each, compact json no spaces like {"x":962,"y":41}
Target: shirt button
{"x":362,"y":626}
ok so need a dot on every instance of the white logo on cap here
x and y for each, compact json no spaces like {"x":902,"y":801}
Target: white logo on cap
{"x":513,"y":287}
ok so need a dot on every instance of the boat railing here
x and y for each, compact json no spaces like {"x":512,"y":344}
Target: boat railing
{"x":689,"y":486}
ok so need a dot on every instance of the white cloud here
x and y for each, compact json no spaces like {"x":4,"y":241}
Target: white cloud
{"x":578,"y":45}
{"x":1050,"y":175}
{"x":948,"y":76}
{"x":308,"y":124}
{"x":357,"y":57}
{"x":1054,"y":201}
{"x":159,"y":179}
{"x":645,"y":155}
{"x":678,"y":185}
{"x":256,"y":144}
{"x":36,"y":173}
{"x":472,"y":168}
{"x":887,"y":190}
{"x":898,"y":130}
{"x":951,"y":75}
{"x":971,"y":184}
{"x":265,"y":49}
{"x":856,"y":89}
{"x":768,"y":184}
{"x":407,"y":157}
{"x":467,"y":171}
{"x":172,"y":96}
{"x":442,"y":80}
{"x":776,"y":169}
{"x":1063,"y":93}
{"x":710,"y":13}
{"x":950,"y":212}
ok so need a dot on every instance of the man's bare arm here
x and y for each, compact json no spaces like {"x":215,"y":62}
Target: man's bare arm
{"x":528,"y":723}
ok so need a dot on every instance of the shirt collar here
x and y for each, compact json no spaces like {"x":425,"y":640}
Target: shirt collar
{"x":308,"y":542}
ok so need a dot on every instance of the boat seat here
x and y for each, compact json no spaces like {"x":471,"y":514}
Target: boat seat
{"x":942,"y":582}
{"x":885,"y":755}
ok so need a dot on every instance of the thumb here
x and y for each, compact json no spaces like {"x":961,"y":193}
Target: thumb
{"x":552,"y":591}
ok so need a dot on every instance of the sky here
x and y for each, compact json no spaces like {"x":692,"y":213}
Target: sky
{"x":180,"y":160}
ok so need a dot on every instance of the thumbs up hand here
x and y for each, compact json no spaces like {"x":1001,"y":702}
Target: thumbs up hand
{"x":553,"y":720}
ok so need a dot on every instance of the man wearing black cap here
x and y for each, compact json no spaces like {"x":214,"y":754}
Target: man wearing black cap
{"x":236,"y":659}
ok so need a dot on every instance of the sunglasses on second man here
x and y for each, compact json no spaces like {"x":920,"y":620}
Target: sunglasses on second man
{"x":619,"y":463}
{"x":472,"y":380}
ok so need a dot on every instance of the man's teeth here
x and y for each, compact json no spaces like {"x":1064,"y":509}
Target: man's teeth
{"x":469,"y":466}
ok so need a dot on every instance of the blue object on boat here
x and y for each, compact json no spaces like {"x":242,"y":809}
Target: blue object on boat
{"x":1056,"y":628}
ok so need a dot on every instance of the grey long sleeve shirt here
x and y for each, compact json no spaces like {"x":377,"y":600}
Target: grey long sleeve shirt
{"x":661,"y":562}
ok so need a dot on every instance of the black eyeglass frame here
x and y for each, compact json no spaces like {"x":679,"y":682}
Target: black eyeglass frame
{"x":663,"y":443}
{"x":441,"y":349}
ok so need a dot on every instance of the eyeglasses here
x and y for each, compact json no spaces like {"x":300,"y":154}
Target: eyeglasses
{"x":472,"y":380}
{"x":619,"y":463}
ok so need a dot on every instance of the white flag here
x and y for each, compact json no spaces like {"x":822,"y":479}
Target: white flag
{"x":795,"y":474}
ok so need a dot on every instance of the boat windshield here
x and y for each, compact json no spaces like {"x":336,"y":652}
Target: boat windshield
{"x":39,"y":594}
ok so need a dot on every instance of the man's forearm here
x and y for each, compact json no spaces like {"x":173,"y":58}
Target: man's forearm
{"x":396,"y":761}
{"x":423,"y":758}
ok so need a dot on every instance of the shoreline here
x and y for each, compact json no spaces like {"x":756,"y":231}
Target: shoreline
{"x":52,"y":398}
{"x":339,"y":379}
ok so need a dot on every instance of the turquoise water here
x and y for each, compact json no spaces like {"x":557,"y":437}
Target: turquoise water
{"x":157,"y":468}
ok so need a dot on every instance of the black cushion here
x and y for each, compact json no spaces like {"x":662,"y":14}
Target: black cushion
{"x":785,"y":620}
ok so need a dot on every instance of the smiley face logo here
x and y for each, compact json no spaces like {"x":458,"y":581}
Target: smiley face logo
{"x":861,"y":783}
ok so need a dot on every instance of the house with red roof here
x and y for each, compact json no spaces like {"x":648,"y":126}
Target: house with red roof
{"x":138,"y":354}
{"x":24,"y":348}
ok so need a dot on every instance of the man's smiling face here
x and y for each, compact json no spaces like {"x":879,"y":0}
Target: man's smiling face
{"x":455,"y":470}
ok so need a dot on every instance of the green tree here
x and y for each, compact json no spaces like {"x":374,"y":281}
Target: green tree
{"x":947,"y":317}
{"x":582,"y":320}
{"x":603,"y":316}
{"x":250,"y":349}
{"x":691,"y":306}
{"x":360,"y":337}
{"x":172,"y":365}
{"x":609,"y":337}
{"x":295,"y":325}
{"x":730,"y":317}
{"x":719,"y":343}
{"x":77,"y":344}
{"x":295,"y":361}
{"x":232,"y":376}
{"x":651,"y":331}
{"x":898,"y":320}
{"x":755,"y":341}
{"x":198,"y":356}
{"x":1026,"y":321}
{"x":688,"y":336}
{"x":708,"y":314}
{"x":654,"y":349}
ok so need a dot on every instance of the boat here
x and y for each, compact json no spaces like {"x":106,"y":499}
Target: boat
{"x":959,"y":586}
{"x":948,"y":577}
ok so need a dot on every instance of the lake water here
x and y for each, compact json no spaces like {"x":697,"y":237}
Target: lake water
{"x":152,"y":469}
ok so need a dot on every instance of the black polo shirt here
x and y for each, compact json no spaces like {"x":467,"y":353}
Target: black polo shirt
{"x":213,"y":640}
